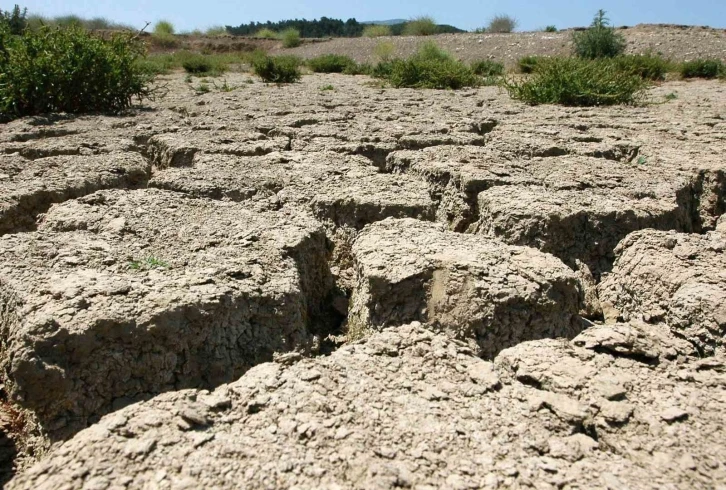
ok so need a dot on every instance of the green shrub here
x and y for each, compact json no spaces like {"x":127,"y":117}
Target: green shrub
{"x":384,"y":50}
{"x":430,"y":51}
{"x":199,"y":64}
{"x":417,"y":73}
{"x":290,"y":38}
{"x":501,"y":24}
{"x":528,"y":64}
{"x":646,"y":66}
{"x":332,"y":63}
{"x":703,"y":68}
{"x":69,"y":70}
{"x":420,"y":26}
{"x":599,"y":40}
{"x":487,"y":68}
{"x":266,"y":34}
{"x":277,"y":69}
{"x":430,"y":67}
{"x":216,"y":31}
{"x":550,"y":29}
{"x":16,"y":21}
{"x":377,"y":31}
{"x":164,"y":28}
{"x":577,"y":82}
{"x":67,"y":21}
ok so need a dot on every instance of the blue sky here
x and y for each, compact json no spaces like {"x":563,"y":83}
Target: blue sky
{"x":466,"y":14}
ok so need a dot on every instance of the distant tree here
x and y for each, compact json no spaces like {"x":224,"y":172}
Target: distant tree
{"x":16,"y":21}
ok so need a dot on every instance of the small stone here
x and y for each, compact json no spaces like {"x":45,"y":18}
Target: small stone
{"x":674,"y":414}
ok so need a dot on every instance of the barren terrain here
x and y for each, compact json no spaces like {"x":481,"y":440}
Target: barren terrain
{"x":677,"y":43}
{"x":289,"y":287}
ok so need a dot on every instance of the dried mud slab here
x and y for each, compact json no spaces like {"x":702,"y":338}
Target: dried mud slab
{"x":179,"y":149}
{"x":409,"y":408}
{"x":28,"y":188}
{"x":481,"y":290}
{"x":676,"y":278}
{"x":573,"y":225}
{"x":342,"y":190}
{"x":120,"y":295}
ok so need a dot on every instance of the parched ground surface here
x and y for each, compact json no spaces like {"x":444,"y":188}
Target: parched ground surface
{"x":678,"y":43}
{"x":289,"y":287}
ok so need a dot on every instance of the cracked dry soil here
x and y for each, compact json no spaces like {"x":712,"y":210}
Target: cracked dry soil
{"x":540,"y":291}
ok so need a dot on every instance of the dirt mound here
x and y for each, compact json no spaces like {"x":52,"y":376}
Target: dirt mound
{"x":678,"y":43}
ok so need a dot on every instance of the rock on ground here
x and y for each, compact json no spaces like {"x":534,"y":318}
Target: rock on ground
{"x":474,"y":288}
{"x":676,"y":278}
{"x":408,"y":408}
{"x":124,"y":294}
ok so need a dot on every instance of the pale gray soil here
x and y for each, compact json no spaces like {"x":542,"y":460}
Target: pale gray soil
{"x":365,"y":287}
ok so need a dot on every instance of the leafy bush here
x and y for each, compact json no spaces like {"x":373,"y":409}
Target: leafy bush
{"x":266,"y":34}
{"x":276,"y":69}
{"x":332,"y":63}
{"x":16,"y":21}
{"x":377,"y":31}
{"x":69,"y":70}
{"x":550,"y":29}
{"x":528,"y":64}
{"x":199,"y":64}
{"x":216,"y":31}
{"x":501,"y":24}
{"x":646,"y":66}
{"x":164,"y":28}
{"x":420,"y":26}
{"x":577,"y":82}
{"x":703,"y":68}
{"x":384,"y":50}
{"x":487,"y":68}
{"x":599,"y":41}
{"x":430,"y":67}
{"x":290,"y":38}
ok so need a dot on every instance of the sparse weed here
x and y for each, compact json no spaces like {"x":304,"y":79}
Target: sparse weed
{"x":224,"y":87}
{"x":550,"y":29}
{"x":325,"y":88}
{"x":576,"y":82}
{"x":377,"y":31}
{"x":598,"y":41}
{"x":202,"y":88}
{"x":671,"y":96}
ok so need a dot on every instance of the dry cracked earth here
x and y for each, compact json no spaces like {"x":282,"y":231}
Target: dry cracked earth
{"x":289,"y":287}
